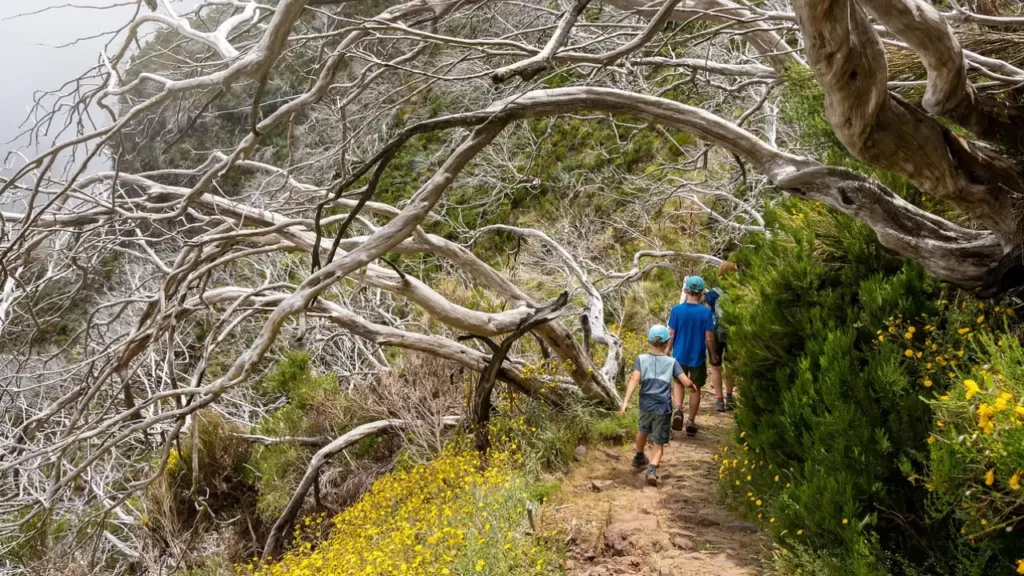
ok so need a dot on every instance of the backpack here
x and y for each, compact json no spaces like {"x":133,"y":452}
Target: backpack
{"x":714,"y":298}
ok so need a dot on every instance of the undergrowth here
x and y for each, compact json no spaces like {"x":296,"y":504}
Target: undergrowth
{"x":878,"y":431}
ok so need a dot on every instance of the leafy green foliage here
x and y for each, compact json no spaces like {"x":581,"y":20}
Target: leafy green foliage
{"x":842,"y":350}
{"x":977,"y":454}
{"x":315,"y":406}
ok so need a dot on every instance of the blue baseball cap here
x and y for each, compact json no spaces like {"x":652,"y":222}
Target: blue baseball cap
{"x":711,"y":297}
{"x":694,"y":284}
{"x":658,"y":334}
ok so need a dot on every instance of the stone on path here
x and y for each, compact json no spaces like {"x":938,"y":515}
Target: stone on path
{"x":599,"y":485}
{"x":626,"y":532}
{"x":742,"y":527}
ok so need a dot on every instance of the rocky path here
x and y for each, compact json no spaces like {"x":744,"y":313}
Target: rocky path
{"x":616,"y":524}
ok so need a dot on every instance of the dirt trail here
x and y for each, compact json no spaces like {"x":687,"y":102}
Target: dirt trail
{"x":616,"y":524}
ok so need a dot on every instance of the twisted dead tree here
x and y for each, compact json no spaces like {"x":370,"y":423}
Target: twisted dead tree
{"x":337,"y":177}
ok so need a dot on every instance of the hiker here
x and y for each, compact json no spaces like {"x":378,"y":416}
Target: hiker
{"x":713,"y":299}
{"x":661,"y":381}
{"x":691,"y":326}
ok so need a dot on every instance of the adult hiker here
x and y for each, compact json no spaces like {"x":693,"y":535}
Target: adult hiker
{"x":691,"y":326}
{"x":713,"y":298}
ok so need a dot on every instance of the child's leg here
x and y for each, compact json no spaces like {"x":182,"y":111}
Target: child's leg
{"x":694,"y":404}
{"x":699,"y":375}
{"x":716,"y":381}
{"x":677,"y":393}
{"x":641,"y":442}
{"x":656,"y":453}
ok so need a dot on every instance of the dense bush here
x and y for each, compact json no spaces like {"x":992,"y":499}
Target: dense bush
{"x":977,"y":457}
{"x":444,"y":517}
{"x":842,"y":351}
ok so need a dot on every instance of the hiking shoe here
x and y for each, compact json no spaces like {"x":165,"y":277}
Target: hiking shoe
{"x":730,"y":403}
{"x":691,"y":428}
{"x":652,"y":475}
{"x":640,"y":460}
{"x":677,"y":420}
{"x":719,"y":405}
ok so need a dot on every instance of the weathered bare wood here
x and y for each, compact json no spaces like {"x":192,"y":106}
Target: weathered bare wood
{"x":291,"y":510}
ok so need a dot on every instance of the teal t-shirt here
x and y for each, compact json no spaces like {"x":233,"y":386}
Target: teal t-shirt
{"x":656,"y":376}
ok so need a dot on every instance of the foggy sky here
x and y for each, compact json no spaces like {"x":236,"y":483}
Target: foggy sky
{"x":30,"y":60}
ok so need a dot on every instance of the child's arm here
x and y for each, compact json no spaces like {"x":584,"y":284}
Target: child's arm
{"x":634,"y":381}
{"x":710,"y":342}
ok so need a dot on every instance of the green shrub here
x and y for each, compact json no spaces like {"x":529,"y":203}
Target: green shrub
{"x":315,"y":407}
{"x":977,"y":458}
{"x":842,"y":350}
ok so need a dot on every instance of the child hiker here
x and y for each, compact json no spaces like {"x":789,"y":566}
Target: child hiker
{"x":692,"y":325}
{"x":661,"y":381}
{"x":713,"y":299}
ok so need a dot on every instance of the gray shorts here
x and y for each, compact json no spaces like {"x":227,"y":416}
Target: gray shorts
{"x":657,"y":426}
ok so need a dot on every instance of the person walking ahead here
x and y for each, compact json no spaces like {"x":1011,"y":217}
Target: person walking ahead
{"x":691,"y":326}
{"x":713,"y":298}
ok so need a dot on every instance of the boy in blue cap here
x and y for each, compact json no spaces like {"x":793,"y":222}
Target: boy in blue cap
{"x":692,"y":325}
{"x":661,"y":381}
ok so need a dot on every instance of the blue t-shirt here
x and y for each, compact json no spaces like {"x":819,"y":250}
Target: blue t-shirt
{"x":656,"y":376}
{"x":688,"y":323}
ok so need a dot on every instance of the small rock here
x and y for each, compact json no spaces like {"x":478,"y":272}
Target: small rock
{"x":730,"y":551}
{"x":625,"y":532}
{"x":665,"y":572}
{"x":599,"y":485}
{"x":683,"y":543}
{"x":741,"y":527}
{"x":569,"y":564}
{"x":699,"y":519}
{"x":684,"y":533}
{"x":580,"y":452}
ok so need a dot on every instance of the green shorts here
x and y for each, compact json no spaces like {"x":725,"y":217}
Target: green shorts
{"x":699,"y":374}
{"x":657,"y":426}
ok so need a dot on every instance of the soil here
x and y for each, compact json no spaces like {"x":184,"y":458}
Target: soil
{"x":616,"y":524}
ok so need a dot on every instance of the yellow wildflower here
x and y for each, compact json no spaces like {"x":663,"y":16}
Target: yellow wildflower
{"x":970,"y":388}
{"x":845,"y":521}
{"x":990,"y":476}
{"x":927,"y":383}
{"x":1001,"y":402}
{"x":908,"y":353}
{"x":1015,"y":481}
{"x":985,"y":422}
{"x":1020,"y":563}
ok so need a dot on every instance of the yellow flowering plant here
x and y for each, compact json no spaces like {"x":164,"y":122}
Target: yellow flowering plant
{"x":449,"y":516}
{"x":977,"y":450}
